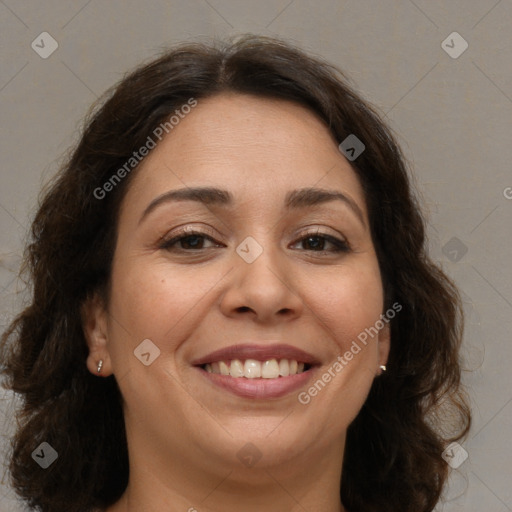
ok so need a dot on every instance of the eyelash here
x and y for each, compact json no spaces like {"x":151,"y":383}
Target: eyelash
{"x":341,"y":246}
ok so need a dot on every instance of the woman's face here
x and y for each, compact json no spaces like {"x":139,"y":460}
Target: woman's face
{"x":274,"y":272}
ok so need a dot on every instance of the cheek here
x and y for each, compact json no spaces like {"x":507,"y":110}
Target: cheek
{"x":154,"y":300}
{"x":346,"y":303}
{"x":347,"y":300}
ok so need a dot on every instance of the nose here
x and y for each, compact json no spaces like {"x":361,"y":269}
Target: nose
{"x":264,"y":290}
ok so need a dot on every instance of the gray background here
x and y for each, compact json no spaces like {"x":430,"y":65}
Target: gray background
{"x":451,"y":115}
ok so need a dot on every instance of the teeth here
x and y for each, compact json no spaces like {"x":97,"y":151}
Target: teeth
{"x":224,"y":368}
{"x":270,"y":369}
{"x":253,"y":369}
{"x":284,"y":368}
{"x":236,"y":369}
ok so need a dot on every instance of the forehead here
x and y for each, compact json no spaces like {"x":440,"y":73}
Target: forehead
{"x":255,"y":147}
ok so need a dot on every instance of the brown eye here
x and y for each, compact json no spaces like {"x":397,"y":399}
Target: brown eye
{"x":315,"y":243}
{"x":189,"y":242}
{"x":318,"y":242}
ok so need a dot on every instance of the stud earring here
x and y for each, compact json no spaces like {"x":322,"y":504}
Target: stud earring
{"x":383,"y":367}
{"x":100,"y":365}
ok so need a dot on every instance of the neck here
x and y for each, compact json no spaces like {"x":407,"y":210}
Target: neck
{"x":308,"y":482}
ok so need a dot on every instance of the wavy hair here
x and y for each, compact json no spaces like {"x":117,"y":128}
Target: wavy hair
{"x":392,"y":460}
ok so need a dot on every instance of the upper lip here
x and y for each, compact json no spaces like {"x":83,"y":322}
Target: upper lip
{"x":258,"y":352}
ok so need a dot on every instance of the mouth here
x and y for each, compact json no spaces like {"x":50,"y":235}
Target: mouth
{"x":258,"y":371}
{"x":254,"y":369}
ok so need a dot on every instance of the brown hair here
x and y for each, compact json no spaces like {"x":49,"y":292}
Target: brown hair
{"x":393,"y":460}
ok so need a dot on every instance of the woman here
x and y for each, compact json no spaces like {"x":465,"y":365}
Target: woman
{"x":232,"y":304}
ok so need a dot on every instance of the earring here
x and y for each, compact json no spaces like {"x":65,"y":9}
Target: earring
{"x":100,"y":365}
{"x":382,"y":367}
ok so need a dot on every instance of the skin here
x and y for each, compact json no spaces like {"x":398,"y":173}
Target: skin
{"x":183,"y":432}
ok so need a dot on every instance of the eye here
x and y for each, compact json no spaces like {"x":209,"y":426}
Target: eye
{"x":189,"y":241}
{"x":317,"y":242}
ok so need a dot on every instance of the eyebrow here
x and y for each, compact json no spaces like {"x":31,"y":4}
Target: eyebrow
{"x":300,"y":198}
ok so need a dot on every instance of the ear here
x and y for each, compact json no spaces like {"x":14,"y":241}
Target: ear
{"x":95,"y":326}
{"x":384,"y":344}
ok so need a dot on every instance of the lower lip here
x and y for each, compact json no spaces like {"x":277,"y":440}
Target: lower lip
{"x":259,"y":388}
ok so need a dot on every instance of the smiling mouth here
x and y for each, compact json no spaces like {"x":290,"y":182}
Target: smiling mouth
{"x":254,"y":369}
